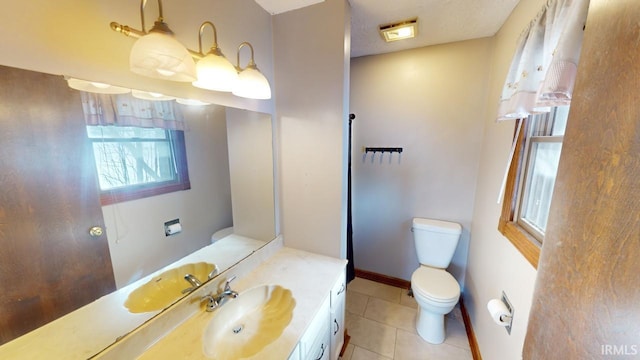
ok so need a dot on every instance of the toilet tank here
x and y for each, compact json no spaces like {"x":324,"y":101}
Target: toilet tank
{"x":435,"y":241}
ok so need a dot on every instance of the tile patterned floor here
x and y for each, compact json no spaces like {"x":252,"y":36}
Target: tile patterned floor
{"x":381,"y":322}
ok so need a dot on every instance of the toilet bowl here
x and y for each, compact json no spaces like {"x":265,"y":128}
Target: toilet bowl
{"x":437,"y":293}
{"x":435,"y":290}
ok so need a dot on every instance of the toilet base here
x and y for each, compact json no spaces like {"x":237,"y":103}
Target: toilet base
{"x":430,"y":326}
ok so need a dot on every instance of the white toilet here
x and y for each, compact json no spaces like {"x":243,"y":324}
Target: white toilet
{"x":221,"y":234}
{"x":435,"y":290}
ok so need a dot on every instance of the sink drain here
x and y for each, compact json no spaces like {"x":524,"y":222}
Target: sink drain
{"x":237,"y":329}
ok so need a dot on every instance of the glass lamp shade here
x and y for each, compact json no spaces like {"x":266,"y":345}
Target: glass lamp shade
{"x":252,"y":84}
{"x":95,"y":87}
{"x":160,"y":55}
{"x":152,"y":96}
{"x":215,"y":72}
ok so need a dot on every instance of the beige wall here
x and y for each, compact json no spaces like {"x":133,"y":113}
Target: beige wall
{"x":494,"y":265}
{"x":309,"y":57}
{"x":429,"y":101}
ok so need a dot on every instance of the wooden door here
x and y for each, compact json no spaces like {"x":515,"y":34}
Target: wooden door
{"x":49,"y":264}
{"x":586,"y":303}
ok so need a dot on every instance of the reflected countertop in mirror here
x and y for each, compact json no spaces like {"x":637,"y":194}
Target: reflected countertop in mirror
{"x":95,"y":326}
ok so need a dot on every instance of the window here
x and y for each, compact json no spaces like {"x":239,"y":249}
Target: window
{"x":531,"y":180}
{"x":134,"y":162}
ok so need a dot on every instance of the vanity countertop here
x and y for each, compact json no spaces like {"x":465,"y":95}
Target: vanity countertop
{"x":310,"y":278}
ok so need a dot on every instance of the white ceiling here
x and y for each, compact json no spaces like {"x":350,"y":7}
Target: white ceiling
{"x":279,"y":6}
{"x":439,"y":21}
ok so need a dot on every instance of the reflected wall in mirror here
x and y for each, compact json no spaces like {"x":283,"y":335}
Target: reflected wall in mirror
{"x":250,"y":145}
{"x":49,"y":200}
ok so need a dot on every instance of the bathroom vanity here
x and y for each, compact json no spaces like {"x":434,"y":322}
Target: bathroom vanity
{"x":315,"y":331}
{"x":324,"y":336}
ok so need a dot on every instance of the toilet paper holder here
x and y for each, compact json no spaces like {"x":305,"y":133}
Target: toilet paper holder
{"x":172,"y":227}
{"x":501,"y":312}
{"x":507,"y":318}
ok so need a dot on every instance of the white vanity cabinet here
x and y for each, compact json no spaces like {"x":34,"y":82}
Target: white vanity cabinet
{"x":315,"y":342}
{"x":295,"y":355}
{"x":338,"y":298}
{"x":324,"y":337}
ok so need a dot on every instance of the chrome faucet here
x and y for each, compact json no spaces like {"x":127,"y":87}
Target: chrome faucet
{"x":227,"y":292}
{"x":215,"y":301}
{"x":213,"y":272}
{"x":193,"y":281}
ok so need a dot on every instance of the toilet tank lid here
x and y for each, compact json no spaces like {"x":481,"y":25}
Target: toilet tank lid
{"x":445,"y":227}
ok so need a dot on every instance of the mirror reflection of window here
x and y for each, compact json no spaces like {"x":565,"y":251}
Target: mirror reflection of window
{"x":138,"y":146}
{"x":130,"y":156}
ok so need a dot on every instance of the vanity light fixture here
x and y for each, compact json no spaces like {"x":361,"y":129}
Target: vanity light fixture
{"x":251,"y":82}
{"x":157,"y":53}
{"x":148,"y":95}
{"x":95,"y":87}
{"x":214,"y":71}
{"x":192,"y":102}
{"x":102,"y":88}
{"x":398,"y":31}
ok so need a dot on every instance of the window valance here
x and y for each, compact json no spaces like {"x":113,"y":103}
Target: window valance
{"x":543,"y":69}
{"x":125,"y":110}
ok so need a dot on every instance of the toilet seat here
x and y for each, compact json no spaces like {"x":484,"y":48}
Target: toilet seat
{"x":435,"y":285}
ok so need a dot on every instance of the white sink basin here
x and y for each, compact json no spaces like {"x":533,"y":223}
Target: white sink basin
{"x":245,"y":325}
{"x":166,"y":288}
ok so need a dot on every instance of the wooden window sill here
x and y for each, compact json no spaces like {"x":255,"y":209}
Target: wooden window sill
{"x":525,"y":243}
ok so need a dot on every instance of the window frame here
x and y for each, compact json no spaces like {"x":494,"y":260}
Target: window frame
{"x":521,"y":239}
{"x":135,"y":192}
{"x":509,"y":225}
{"x":528,"y":154}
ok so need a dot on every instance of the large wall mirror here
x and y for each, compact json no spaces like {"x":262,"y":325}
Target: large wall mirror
{"x":49,"y":199}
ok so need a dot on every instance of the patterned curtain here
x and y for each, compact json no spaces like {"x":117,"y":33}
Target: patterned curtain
{"x":543,"y":69}
{"x":125,"y":110}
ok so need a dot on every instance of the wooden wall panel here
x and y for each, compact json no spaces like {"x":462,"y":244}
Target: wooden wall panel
{"x":587,"y":298}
